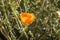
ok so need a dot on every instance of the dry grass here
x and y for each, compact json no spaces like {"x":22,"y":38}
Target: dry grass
{"x":45,"y":27}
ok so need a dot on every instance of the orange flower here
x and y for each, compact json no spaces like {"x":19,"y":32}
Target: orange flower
{"x":27,"y":18}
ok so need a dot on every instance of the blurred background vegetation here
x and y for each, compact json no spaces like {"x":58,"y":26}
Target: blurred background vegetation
{"x":45,"y":27}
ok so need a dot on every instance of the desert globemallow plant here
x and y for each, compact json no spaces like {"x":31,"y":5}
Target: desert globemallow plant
{"x":29,"y":19}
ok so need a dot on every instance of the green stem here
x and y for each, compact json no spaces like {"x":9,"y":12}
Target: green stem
{"x":25,"y":5}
